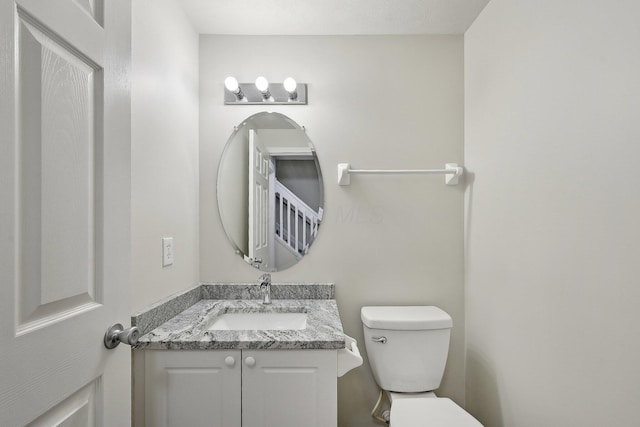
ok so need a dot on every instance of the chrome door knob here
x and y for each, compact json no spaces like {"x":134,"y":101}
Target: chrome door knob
{"x":117,"y":334}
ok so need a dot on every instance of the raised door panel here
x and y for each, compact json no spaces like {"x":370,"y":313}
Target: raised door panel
{"x":192,"y":388}
{"x":60,"y":118}
{"x":78,"y":410}
{"x":259,"y":206}
{"x":289,"y":388}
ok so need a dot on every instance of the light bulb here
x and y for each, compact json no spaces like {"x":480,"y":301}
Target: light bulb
{"x":290,"y":84}
{"x":231,"y":84}
{"x":262,"y":84}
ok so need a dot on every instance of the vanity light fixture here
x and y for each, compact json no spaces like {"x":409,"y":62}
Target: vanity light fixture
{"x":290,"y":86}
{"x":231,"y":84}
{"x":262,"y":84}
{"x":262,"y":92}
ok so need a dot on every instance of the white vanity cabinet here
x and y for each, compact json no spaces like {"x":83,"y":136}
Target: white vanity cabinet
{"x":234,"y":388}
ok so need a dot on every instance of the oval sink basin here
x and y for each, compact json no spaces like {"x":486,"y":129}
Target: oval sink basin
{"x":259,"y":321}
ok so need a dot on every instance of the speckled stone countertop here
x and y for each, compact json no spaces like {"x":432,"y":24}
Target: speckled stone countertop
{"x":189,"y":329}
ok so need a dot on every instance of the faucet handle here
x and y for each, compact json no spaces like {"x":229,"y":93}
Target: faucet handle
{"x":265,"y":279}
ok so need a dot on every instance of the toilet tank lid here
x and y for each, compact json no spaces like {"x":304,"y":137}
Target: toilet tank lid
{"x":410,"y":318}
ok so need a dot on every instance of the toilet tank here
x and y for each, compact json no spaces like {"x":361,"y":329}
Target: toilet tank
{"x":407,"y":346}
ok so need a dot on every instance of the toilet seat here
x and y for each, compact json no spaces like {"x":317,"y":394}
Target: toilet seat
{"x":430,"y":412}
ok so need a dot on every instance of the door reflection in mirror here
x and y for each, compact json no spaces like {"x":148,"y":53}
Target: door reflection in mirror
{"x":270,"y":192}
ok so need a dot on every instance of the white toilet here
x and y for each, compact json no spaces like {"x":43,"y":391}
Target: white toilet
{"x":407,"y":348}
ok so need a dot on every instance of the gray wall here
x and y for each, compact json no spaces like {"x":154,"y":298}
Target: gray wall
{"x":552,"y":98}
{"x":376,"y":102}
{"x":164,"y":150}
{"x":301,"y":177}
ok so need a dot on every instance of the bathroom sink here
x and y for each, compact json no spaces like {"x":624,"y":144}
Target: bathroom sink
{"x":241,"y":321}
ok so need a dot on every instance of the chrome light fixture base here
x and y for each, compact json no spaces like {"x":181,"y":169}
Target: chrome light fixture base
{"x":252,"y":96}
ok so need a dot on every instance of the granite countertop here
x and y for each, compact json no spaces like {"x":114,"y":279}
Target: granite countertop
{"x":188,"y":330}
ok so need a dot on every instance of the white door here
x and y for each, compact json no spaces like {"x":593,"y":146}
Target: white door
{"x":64,"y":211}
{"x":259,"y":204}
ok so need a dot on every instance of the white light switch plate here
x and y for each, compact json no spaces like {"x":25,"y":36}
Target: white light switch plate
{"x":167,"y":251}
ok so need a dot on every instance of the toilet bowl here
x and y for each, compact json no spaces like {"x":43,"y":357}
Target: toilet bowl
{"x":407,"y":348}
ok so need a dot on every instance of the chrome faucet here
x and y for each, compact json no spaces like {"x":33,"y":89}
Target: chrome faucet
{"x":265,"y":287}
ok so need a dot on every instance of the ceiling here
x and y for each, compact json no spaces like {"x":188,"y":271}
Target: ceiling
{"x":332,"y":17}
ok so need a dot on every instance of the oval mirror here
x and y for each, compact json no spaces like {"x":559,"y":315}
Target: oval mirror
{"x":270,"y":193}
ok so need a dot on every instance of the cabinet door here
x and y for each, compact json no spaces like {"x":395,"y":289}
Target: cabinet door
{"x":289,"y":388}
{"x":192,"y":388}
